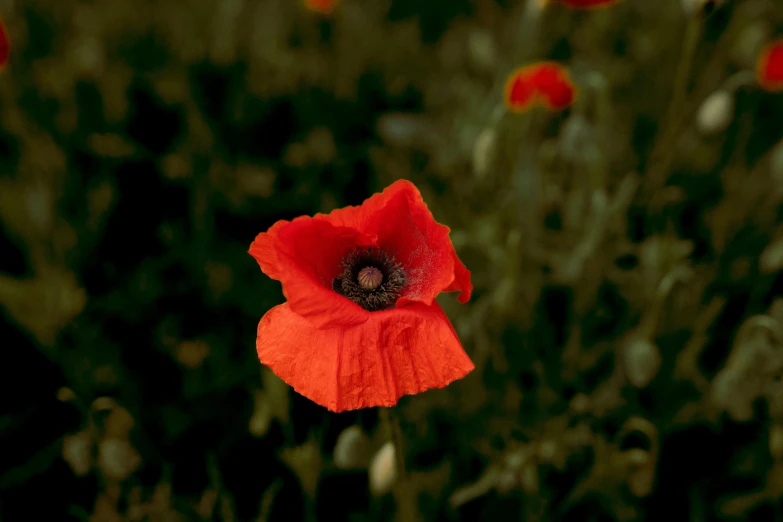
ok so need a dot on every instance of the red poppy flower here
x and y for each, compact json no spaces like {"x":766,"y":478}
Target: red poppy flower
{"x":320,"y":6}
{"x":547,"y":83}
{"x":361,"y":326}
{"x":585,"y":4}
{"x":769,"y":70}
{"x":5,"y":45}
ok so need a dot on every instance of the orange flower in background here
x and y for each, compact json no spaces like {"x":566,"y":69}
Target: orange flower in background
{"x":769,"y":70}
{"x":361,"y":326}
{"x":321,"y":6}
{"x":5,"y":45}
{"x":547,"y":83}
{"x":584,"y":4}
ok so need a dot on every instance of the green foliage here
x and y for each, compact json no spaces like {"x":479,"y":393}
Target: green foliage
{"x":626,"y":254}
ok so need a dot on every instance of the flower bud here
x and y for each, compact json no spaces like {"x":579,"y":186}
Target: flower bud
{"x":77,"y":452}
{"x":117,"y":458}
{"x":771,"y":259}
{"x":483,"y":151}
{"x":383,"y":469}
{"x":65,"y":394}
{"x":716,"y":112}
{"x":640,"y":462}
{"x":642,"y":362}
{"x":118,"y":423}
{"x":351,"y":448}
{"x":637,"y":457}
{"x":727,"y":393}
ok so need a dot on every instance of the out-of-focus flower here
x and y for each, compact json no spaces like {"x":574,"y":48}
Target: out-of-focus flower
{"x":642,"y":361}
{"x":483,"y":151}
{"x":321,"y":6}
{"x":716,"y":112}
{"x":769,"y":70}
{"x":361,"y":326}
{"x":118,"y":423}
{"x":771,"y":259}
{"x":545,"y":83}
{"x":191,"y":354}
{"x":584,"y":4}
{"x":65,"y":394}
{"x":117,"y":458}
{"x":383,"y":469}
{"x":305,"y":462}
{"x":5,"y":45}
{"x":77,"y":452}
{"x":351,"y":448}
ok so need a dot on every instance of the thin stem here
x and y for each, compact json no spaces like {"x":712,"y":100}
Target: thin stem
{"x":406,"y":506}
{"x":663,"y":153}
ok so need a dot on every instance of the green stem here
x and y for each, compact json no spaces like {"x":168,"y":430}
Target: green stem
{"x":406,"y":505}
{"x":663,"y":153}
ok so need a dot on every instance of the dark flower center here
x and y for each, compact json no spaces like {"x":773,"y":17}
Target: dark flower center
{"x":371,"y":278}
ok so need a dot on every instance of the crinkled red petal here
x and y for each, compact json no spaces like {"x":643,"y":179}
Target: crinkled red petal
{"x":461,"y":281}
{"x":405,"y":226}
{"x":770,"y":67}
{"x":396,"y":352}
{"x":304,"y":255}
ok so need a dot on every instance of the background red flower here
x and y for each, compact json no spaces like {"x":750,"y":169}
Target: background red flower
{"x":769,"y":71}
{"x":5,"y":45}
{"x":321,"y":6}
{"x":547,"y":83}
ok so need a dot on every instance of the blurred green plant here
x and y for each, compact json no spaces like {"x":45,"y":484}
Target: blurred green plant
{"x":627,"y":256}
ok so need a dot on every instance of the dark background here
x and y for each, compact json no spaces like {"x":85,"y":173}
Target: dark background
{"x":144,"y":144}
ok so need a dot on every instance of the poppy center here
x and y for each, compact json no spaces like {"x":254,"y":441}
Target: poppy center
{"x":371,"y":278}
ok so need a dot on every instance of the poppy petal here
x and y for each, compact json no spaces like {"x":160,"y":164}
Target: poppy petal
{"x":320,"y":6}
{"x":769,"y":70}
{"x":554,"y":85}
{"x":5,"y":45}
{"x":396,"y":352}
{"x":546,"y":82}
{"x":520,"y":93}
{"x":304,"y":255}
{"x":461,"y":281}
{"x":403,"y":224}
